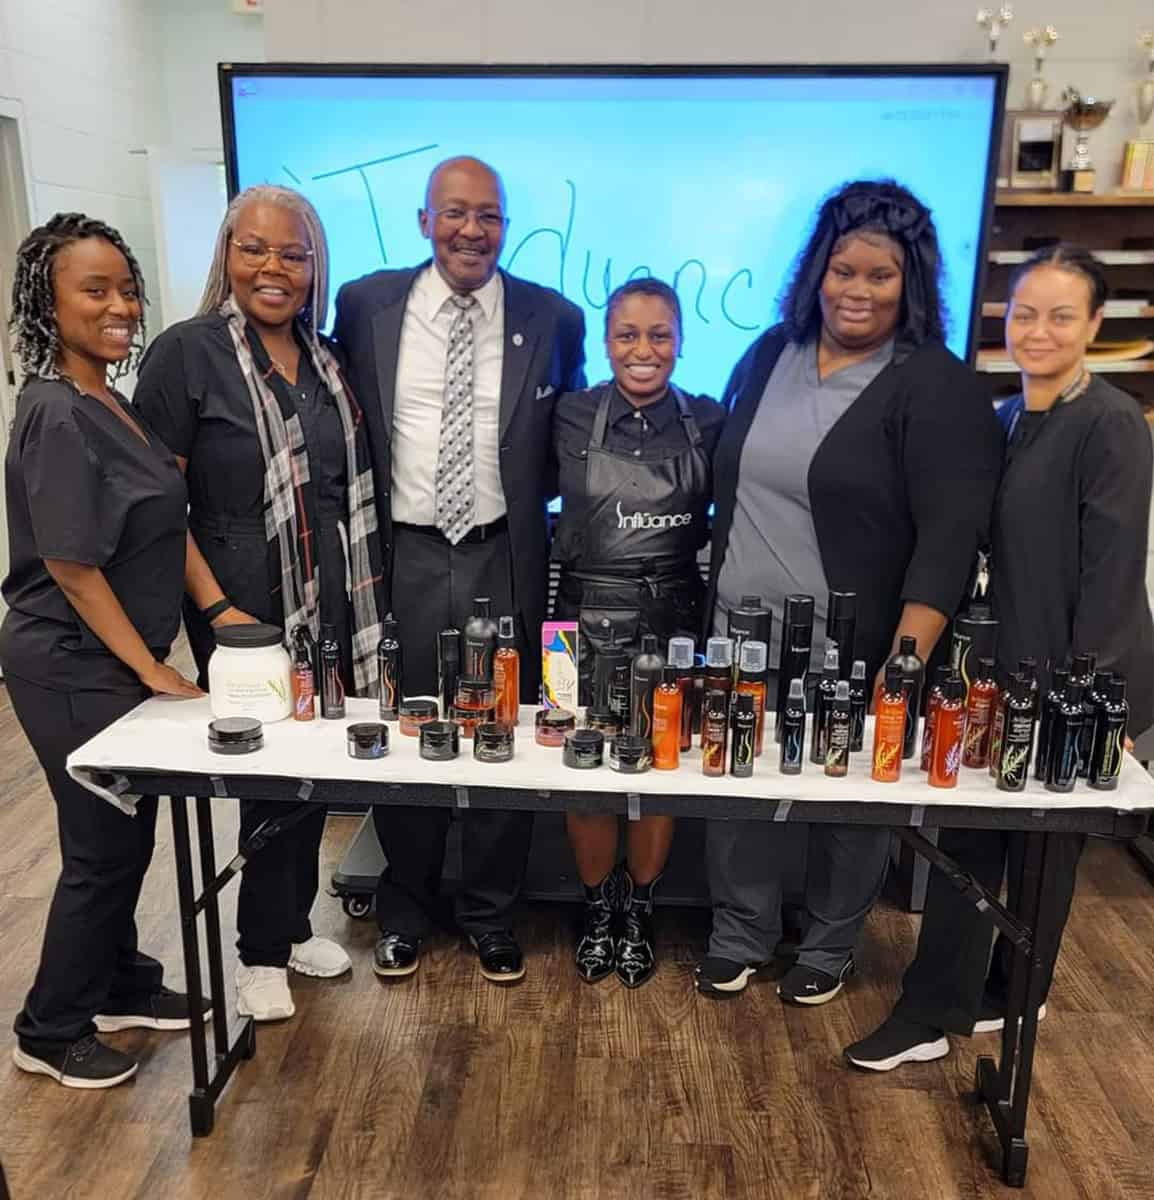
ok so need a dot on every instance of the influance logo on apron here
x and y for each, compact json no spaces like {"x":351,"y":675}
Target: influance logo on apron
{"x":645,"y":520}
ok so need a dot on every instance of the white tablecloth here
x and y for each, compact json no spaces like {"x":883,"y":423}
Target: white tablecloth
{"x":170,"y":736}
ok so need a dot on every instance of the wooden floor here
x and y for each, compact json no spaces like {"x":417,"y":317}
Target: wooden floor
{"x":447,"y":1087}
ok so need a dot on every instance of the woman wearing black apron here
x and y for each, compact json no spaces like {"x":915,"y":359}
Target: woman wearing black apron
{"x":236,"y":392}
{"x":630,"y":452}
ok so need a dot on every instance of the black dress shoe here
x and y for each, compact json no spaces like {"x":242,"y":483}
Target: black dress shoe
{"x":396,"y":954}
{"x":596,"y":955}
{"x":499,"y":955}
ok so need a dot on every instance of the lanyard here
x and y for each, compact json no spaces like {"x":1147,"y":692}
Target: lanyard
{"x":1014,"y":444}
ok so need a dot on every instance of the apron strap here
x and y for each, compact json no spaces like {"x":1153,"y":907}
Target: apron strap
{"x":601,"y":420}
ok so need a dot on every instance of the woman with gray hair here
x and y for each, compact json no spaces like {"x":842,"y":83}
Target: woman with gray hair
{"x":282,"y":523}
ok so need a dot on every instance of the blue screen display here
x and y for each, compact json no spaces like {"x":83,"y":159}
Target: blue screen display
{"x":709,"y":182}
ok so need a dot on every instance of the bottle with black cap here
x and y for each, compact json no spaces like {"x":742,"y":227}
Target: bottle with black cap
{"x":1051,"y":702}
{"x":1017,"y":738}
{"x":1093,"y":702}
{"x":332,"y":686}
{"x":448,"y":668}
{"x":611,"y":679}
{"x":841,"y":628}
{"x":1109,"y":737}
{"x":796,"y":650}
{"x":480,"y":640}
{"x":680,"y":651}
{"x":913,"y":677}
{"x":975,"y":636}
{"x":751,"y":621}
{"x":645,"y":676}
{"x":858,"y":702}
{"x":823,"y":707}
{"x":1065,"y":739}
{"x":743,"y":742}
{"x":390,"y":670}
{"x":837,"y":746}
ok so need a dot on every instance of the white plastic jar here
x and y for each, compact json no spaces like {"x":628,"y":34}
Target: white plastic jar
{"x":249,"y":673}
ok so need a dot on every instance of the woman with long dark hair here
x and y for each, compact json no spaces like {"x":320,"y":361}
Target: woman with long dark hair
{"x":1069,"y":539}
{"x":96,"y":539}
{"x":859,"y":455}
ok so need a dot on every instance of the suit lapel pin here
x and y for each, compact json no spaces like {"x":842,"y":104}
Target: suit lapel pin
{"x":518,"y":339}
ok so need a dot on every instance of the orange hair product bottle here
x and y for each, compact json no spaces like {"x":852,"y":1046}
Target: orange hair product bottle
{"x":667,"y":721}
{"x":507,"y":674}
{"x":949,"y":732}
{"x":889,"y":728}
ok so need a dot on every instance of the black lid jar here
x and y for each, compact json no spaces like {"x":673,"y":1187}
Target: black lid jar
{"x":584,"y":749}
{"x":247,"y":637}
{"x":440,"y":740}
{"x":368,"y":740}
{"x":415,"y":713}
{"x":630,"y":754}
{"x":235,"y":735}
{"x":493,"y":742}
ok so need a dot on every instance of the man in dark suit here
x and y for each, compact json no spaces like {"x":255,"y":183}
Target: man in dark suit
{"x":456,"y":365}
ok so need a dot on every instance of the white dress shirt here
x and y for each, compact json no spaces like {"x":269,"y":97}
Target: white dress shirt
{"x":420,"y":398}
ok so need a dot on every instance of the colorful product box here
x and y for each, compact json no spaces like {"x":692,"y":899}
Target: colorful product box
{"x":559,"y":664}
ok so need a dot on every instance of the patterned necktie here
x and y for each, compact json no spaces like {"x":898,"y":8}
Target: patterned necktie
{"x":455,"y":492}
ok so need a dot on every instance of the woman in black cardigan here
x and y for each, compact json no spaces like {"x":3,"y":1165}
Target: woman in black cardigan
{"x":861,"y":456}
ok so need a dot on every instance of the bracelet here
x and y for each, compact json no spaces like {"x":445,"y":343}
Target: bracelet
{"x":213,"y":611}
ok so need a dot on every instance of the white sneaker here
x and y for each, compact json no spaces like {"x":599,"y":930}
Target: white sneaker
{"x":263,"y":993}
{"x":320,"y":957}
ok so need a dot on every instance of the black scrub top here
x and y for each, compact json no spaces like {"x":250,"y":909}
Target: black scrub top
{"x":1070,"y":534}
{"x":82,"y":487}
{"x":192,"y":391}
{"x":649,"y":434}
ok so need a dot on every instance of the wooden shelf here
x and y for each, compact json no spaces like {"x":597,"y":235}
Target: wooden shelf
{"x":1108,"y":258}
{"x":1073,"y":200}
{"x":999,"y":310}
{"x":1134,"y":366}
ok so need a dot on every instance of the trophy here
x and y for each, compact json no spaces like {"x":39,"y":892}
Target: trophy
{"x":1083,"y":114}
{"x":1040,"y":39}
{"x":993,"y":21}
{"x":1146,"y":87}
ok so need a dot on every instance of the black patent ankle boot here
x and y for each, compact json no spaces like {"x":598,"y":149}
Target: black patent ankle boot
{"x":636,"y":958}
{"x":595,"y":954}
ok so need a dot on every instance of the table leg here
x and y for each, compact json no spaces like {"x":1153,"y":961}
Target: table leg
{"x":1005,"y":1088}
{"x":212,"y":925}
{"x":200,"y":1101}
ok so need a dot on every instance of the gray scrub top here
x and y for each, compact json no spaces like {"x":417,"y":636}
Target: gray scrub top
{"x":772,"y":550}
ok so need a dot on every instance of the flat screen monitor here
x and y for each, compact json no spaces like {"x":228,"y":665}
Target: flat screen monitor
{"x":706,"y":177}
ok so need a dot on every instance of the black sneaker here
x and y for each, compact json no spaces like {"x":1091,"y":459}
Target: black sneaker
{"x":396,"y":954}
{"x":992,"y":1020}
{"x":162,"y":1009}
{"x":88,"y":1063}
{"x":807,"y":985}
{"x":722,"y":977}
{"x":896,"y":1042}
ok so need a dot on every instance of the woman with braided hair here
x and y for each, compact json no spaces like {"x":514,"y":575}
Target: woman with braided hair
{"x":282,"y":523}
{"x":859,"y":455}
{"x":96,"y":535}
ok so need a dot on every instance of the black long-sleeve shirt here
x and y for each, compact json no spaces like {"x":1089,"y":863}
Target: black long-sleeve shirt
{"x":1069,"y":542}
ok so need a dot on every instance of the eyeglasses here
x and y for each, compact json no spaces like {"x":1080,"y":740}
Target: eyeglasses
{"x":456,"y":217}
{"x":294,"y":259}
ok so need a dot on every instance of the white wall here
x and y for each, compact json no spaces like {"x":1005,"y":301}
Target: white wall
{"x":84,"y":74}
{"x":1097,"y":52}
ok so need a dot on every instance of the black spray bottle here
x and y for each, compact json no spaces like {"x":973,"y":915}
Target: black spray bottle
{"x":1065,"y":739}
{"x":837,"y":747}
{"x":796,"y":649}
{"x":858,"y":700}
{"x":1110,"y":737}
{"x":480,"y":640}
{"x":823,"y":707}
{"x":841,"y":628}
{"x":1051,"y":702}
{"x":742,"y":744}
{"x":793,"y":729}
{"x":390,"y":669}
{"x":913,"y":679}
{"x":332,"y":686}
{"x":448,"y":668}
{"x":1017,"y":738}
{"x":645,"y":676}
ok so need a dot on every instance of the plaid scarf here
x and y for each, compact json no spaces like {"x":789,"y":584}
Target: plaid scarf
{"x":288,"y":500}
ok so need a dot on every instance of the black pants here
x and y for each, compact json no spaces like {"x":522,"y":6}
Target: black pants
{"x":279,"y":884}
{"x":953,"y":974}
{"x":433,"y":588}
{"x":89,"y":958}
